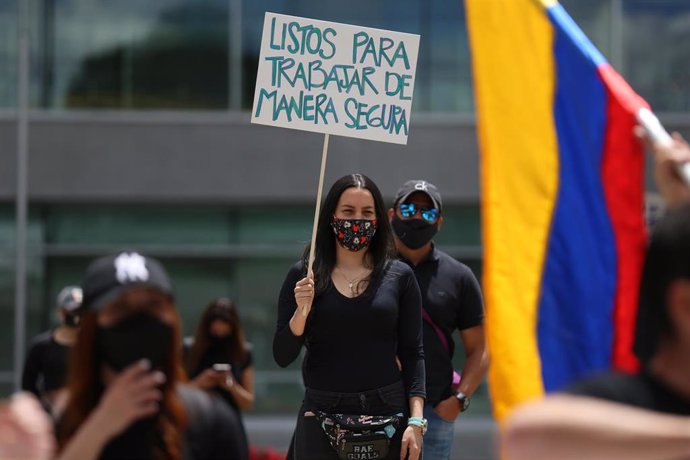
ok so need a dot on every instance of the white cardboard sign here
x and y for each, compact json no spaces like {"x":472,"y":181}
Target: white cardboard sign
{"x":335,"y":78}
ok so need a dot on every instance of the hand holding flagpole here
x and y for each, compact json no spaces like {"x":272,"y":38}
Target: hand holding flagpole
{"x":660,"y":138}
{"x":671,"y":159}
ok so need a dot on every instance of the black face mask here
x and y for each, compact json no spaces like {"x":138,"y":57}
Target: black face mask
{"x":71,"y":320}
{"x":136,"y":337}
{"x":216,"y":342}
{"x":414,"y":233}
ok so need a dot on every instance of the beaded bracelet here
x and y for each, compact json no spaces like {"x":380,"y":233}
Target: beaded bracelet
{"x":415,"y":421}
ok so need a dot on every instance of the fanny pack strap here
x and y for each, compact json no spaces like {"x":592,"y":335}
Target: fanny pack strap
{"x":437,"y":329}
{"x":442,"y":337}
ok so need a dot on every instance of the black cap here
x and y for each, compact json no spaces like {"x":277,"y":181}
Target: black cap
{"x":417,"y":185}
{"x":108,"y":277}
{"x":69,"y":298}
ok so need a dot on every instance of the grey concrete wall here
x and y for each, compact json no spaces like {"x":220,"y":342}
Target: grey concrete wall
{"x":125,"y":157}
{"x":158,"y":157}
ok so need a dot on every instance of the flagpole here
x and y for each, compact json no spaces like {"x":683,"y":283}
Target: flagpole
{"x":21,"y":198}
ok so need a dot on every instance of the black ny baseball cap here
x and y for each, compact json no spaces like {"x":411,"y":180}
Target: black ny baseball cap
{"x":418,"y":185}
{"x":108,"y":277}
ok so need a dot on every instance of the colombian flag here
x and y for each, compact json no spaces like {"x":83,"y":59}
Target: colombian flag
{"x":562,"y":199}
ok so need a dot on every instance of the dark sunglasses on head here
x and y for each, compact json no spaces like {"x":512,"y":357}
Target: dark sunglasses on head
{"x":408,"y":210}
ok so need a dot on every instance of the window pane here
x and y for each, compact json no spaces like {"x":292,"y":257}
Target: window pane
{"x":447,"y":68}
{"x":657,"y":51}
{"x":460,"y":226}
{"x":137,"y":225}
{"x":594,"y":18}
{"x":8,"y":54}
{"x":36,"y":309}
{"x":133,"y":54}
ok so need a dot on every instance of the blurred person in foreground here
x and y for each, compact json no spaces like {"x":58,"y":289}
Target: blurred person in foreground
{"x":126,"y":399}
{"x":451,"y":300}
{"x":26,"y":431}
{"x":636,"y":417}
{"x":219,"y":359}
{"x":45,"y":367}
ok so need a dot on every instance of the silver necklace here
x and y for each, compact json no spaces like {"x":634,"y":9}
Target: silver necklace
{"x":352,"y":283}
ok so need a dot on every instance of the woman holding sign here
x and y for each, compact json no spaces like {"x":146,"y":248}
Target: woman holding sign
{"x":358,"y":313}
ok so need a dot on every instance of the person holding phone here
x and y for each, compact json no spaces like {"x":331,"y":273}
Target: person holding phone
{"x":356,"y":314}
{"x":219,"y":359}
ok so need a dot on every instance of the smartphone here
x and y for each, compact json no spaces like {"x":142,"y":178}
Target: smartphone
{"x":658,"y":135}
{"x":222,"y":367}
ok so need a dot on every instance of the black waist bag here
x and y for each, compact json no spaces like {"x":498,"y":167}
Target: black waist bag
{"x":359,"y":437}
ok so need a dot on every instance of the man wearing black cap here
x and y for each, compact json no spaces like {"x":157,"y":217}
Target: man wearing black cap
{"x":46,"y":361}
{"x":451,"y":300}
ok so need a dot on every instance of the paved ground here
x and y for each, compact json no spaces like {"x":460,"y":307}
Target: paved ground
{"x":473,"y":436}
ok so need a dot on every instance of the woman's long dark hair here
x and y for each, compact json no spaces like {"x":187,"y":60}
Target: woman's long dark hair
{"x":225,"y":310}
{"x":381,"y":248}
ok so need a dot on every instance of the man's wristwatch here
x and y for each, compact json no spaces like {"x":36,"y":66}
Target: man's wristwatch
{"x":464,"y":400}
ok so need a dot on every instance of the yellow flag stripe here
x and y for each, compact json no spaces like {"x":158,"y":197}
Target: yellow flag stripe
{"x":514,"y":83}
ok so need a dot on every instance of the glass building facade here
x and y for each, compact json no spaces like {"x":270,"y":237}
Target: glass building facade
{"x":201,"y":56}
{"x":171,"y":54}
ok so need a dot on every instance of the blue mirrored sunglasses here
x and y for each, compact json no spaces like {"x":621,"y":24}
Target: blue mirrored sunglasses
{"x":408,"y":210}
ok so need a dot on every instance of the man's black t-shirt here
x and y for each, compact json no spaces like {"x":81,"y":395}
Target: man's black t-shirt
{"x":352,"y":343}
{"x":453,"y":299}
{"x":641,"y":390}
{"x":45,"y":367}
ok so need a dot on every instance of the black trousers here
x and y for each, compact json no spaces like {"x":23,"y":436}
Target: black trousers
{"x":310,"y":442}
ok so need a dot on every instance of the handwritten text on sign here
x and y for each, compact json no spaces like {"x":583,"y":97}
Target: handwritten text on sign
{"x":335,"y":78}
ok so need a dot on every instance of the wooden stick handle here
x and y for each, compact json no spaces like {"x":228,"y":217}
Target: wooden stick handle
{"x":312,"y":246}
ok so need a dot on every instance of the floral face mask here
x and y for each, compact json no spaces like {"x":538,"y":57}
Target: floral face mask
{"x":353,"y":234}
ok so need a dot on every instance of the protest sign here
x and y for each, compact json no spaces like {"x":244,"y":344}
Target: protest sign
{"x":335,"y":78}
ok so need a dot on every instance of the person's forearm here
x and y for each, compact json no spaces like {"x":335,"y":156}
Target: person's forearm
{"x":243,"y":398}
{"x":88,"y":442}
{"x":570,"y":427}
{"x":298,"y":323}
{"x":416,"y":406}
{"x":286,"y":346}
{"x":474,"y":371}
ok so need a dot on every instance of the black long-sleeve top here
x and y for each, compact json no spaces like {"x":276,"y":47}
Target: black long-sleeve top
{"x":352,"y":343}
{"x":45,"y":368}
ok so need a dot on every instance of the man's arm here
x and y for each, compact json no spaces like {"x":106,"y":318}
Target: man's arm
{"x":574,"y":427}
{"x":473,"y":372}
{"x":476,"y":359}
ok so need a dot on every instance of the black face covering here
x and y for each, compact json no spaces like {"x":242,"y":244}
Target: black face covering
{"x":414,"y":233}
{"x":71,"y":320}
{"x":136,"y":337}
{"x":219,"y":342}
